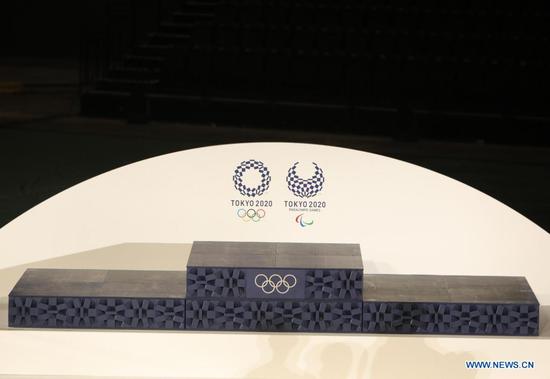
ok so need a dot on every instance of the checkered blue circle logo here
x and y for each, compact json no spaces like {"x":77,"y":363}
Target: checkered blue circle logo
{"x":305,"y":187}
{"x":251,"y":164}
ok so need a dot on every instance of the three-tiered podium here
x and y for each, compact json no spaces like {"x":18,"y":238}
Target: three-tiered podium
{"x":286,"y":287}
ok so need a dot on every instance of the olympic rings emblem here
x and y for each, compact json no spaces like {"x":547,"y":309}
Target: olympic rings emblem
{"x":251,"y":214}
{"x":275,"y":282}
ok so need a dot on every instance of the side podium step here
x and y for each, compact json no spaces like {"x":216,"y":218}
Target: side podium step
{"x":438,"y":304}
{"x":98,"y":299}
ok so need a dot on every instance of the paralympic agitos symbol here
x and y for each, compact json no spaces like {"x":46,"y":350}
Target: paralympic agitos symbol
{"x":275,"y":282}
{"x":300,"y":220}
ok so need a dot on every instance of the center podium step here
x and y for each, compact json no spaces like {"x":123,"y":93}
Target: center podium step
{"x":274,"y":287}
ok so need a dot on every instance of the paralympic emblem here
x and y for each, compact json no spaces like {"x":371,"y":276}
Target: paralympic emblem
{"x":305,"y":187}
{"x":241,"y":169}
{"x":251,"y":214}
{"x":275,"y":282}
{"x":301,"y":222}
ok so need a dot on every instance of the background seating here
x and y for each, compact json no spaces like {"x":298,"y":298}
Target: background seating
{"x":431,"y":60}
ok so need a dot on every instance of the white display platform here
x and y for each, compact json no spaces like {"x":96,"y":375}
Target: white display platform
{"x":407,"y":220}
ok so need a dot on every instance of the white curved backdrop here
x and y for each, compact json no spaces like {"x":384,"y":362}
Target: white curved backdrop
{"x":406,"y":218}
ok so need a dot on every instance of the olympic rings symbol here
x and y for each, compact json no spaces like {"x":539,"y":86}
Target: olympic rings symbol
{"x":275,"y":282}
{"x":251,"y":214}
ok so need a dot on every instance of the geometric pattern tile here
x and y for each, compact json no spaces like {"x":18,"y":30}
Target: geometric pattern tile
{"x":111,"y":313}
{"x":301,"y":316}
{"x":215,"y":282}
{"x":442,"y":318}
{"x":347,"y":316}
{"x":334,"y":284}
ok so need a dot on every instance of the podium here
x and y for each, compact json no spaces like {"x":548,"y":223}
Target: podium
{"x":274,"y":287}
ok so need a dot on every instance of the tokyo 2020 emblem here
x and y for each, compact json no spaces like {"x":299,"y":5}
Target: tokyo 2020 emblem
{"x":265,"y":178}
{"x":305,"y":187}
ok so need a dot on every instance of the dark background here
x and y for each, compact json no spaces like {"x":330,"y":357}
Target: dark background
{"x":458,"y":87}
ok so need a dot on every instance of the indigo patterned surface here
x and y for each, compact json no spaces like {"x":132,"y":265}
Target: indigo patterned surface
{"x":334,"y":284}
{"x":61,"y":312}
{"x":300,"y":316}
{"x":215,"y":282}
{"x":505,"y":319}
{"x":273,"y":315}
